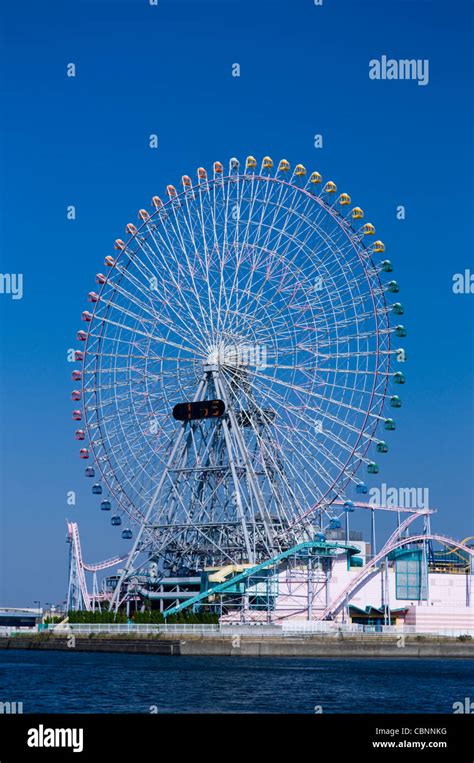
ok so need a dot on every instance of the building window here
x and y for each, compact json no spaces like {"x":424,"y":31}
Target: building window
{"x":408,"y":577}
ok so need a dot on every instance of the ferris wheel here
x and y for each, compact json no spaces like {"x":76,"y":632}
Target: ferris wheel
{"x":235,"y":378}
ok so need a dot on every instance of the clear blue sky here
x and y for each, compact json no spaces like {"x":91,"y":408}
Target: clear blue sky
{"x":167,"y":70}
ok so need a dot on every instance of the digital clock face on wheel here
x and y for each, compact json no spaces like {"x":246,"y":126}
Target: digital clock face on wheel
{"x":202,"y":409}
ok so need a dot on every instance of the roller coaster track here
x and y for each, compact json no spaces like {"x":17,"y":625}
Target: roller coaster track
{"x":78,"y":565}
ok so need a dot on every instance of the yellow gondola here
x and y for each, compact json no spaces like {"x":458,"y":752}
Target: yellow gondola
{"x":368,"y":229}
{"x":330,"y":187}
{"x":344,"y":199}
{"x":315,"y":177}
{"x":379,"y":246}
{"x":357,"y":213}
{"x":250,"y":163}
{"x":284,"y":166}
{"x":300,"y":170}
{"x":267,"y":163}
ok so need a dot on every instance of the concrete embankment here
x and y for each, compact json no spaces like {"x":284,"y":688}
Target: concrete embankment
{"x":370,"y":646}
{"x":97,"y":644}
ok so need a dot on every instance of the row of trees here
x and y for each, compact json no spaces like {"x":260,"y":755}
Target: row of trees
{"x":148,"y":617}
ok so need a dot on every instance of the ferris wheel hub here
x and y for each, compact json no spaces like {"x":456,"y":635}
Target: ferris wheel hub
{"x":224,"y":354}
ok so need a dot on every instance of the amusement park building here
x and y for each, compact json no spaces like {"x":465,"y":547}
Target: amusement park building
{"x":431,"y":595}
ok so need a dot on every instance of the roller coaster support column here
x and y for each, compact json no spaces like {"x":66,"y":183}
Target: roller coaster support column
{"x":373,"y":541}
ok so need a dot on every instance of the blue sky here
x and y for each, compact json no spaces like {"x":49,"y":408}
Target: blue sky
{"x":167,"y":70}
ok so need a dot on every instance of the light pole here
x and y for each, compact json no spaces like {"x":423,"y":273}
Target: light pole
{"x":39,"y":609}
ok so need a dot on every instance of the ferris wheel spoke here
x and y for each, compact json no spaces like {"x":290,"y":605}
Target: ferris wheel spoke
{"x":147,"y":335}
{"x":304,"y":391}
{"x":163,"y":266}
{"x":298,"y":452}
{"x":172,"y":322}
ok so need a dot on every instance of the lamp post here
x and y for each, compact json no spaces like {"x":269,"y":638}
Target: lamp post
{"x":39,"y":609}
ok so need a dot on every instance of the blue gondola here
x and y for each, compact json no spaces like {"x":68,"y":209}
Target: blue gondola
{"x":349,"y":506}
{"x":116,"y":520}
{"x":97,"y":489}
{"x":334,"y":524}
{"x":126,"y":534}
{"x":361,"y":487}
{"x":372,"y":468}
{"x":90,"y":472}
{"x":105,"y":505}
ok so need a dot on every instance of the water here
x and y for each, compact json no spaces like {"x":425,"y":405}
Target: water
{"x":81,"y":682}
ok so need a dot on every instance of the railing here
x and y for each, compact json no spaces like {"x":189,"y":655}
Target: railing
{"x":138,"y":628}
{"x":319,"y":626}
{"x":287,"y":629}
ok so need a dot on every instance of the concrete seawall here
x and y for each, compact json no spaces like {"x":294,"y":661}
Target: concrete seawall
{"x":242,"y":646}
{"x":64,"y":644}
